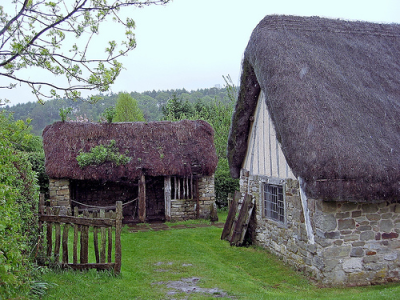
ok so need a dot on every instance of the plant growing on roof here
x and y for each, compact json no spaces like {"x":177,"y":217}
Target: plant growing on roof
{"x":64,"y":113}
{"x":101,"y":154}
{"x":109,"y":114}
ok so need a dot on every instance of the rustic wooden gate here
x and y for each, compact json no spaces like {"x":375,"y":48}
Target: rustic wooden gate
{"x":102,"y":222}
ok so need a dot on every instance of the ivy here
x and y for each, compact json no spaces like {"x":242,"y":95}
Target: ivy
{"x":101,"y":154}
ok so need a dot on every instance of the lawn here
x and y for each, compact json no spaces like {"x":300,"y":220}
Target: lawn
{"x":193,"y":263}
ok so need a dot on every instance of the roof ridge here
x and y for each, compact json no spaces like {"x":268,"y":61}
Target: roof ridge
{"x":318,"y":24}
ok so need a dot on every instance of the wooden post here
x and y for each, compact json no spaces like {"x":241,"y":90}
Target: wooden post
{"x":65,"y":240}
{"x":58,"y":236}
{"x":96,"y":239}
{"x":118,"y":227}
{"x":102,"y":239}
{"x":85,"y":241}
{"x":142,"y":198}
{"x":49,"y":234}
{"x":76,"y":231}
{"x":197,"y":200}
{"x":167,"y":197}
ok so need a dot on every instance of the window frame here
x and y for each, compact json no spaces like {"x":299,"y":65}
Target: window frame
{"x":279,"y":185}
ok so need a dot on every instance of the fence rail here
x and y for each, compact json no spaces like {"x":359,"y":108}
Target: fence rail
{"x":101,"y":221}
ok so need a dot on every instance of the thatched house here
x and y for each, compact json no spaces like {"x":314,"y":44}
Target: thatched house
{"x":315,"y":139}
{"x":170,"y":171}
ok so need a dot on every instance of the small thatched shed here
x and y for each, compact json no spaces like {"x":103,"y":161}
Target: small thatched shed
{"x":315,"y":138}
{"x":170,"y":171}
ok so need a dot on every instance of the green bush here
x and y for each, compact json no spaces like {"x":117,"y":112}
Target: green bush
{"x":224,"y":183}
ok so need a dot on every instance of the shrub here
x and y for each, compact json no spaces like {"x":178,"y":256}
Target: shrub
{"x":224,"y":183}
{"x":101,"y":154}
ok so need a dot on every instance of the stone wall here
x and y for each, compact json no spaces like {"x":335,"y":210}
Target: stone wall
{"x":354,"y":243}
{"x":59,"y":190}
{"x":206,"y":195}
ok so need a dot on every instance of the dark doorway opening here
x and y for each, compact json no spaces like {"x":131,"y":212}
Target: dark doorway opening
{"x":155,"y":202}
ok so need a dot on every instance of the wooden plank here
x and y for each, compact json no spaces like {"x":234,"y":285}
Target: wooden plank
{"x":58,"y":237}
{"x":118,"y":228}
{"x":175,"y":188}
{"x":110,"y":244}
{"x":79,"y":221}
{"x":96,"y":240}
{"x":49,"y":234}
{"x":84,"y":242}
{"x":76,"y":232}
{"x":242,"y":221}
{"x":167,"y":197}
{"x":103,"y":240}
{"x":65,"y":241}
{"x":231,"y":216}
{"x":142,"y":198}
{"x":197,"y":199}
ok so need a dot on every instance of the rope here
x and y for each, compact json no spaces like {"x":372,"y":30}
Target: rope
{"x":104,"y":207}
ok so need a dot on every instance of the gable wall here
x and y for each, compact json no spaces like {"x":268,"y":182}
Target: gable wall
{"x":354,"y":244}
{"x":264,"y":155}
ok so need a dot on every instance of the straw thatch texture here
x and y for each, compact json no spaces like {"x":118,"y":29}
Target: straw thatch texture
{"x":157,"y":149}
{"x":333,"y":92}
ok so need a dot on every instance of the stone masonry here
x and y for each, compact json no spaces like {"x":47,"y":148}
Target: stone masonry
{"x":60,"y":194}
{"x":354,"y":243}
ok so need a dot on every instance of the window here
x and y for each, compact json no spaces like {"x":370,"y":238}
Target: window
{"x":274,"y":202}
{"x":182,"y":187}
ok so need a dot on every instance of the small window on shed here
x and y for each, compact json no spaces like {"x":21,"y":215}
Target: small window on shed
{"x":274,"y":202}
{"x":182,"y":187}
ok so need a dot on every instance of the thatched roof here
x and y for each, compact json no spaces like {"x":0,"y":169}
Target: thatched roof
{"x":156,"y":149}
{"x":333,"y":92}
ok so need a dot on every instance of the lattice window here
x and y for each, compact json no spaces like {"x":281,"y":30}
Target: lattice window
{"x":274,"y":202}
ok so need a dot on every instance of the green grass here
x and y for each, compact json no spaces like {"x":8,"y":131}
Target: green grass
{"x":151,"y":257}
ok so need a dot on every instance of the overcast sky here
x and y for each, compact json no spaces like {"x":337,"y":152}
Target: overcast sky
{"x":191,"y":44}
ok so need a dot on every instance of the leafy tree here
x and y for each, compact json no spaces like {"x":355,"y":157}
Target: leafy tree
{"x":38,"y":35}
{"x":127,"y":109}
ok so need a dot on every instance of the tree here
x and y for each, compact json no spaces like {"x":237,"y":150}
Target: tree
{"x":177,"y":109}
{"x":219,"y":115}
{"x":37,"y":34}
{"x":127,"y":109}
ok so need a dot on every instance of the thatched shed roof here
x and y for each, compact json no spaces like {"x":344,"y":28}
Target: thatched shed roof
{"x":333,"y":92}
{"x":156,"y":149}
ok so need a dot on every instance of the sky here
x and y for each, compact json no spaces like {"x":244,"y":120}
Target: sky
{"x":192,"y":44}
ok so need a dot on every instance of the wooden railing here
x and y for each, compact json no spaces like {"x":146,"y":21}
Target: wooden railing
{"x":102,"y":222}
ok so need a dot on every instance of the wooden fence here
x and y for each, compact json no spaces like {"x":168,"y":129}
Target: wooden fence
{"x":102,"y":222}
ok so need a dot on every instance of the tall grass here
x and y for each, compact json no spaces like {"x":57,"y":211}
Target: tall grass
{"x":153,"y":258}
